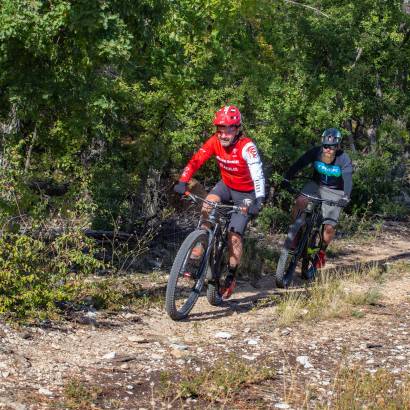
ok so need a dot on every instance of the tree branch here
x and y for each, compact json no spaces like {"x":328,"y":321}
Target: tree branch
{"x":359,"y":54}
{"x":308,"y":7}
{"x":33,"y":140}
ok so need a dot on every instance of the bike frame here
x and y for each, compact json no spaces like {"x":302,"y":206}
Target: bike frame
{"x":219,"y":225}
{"x":312,"y":216}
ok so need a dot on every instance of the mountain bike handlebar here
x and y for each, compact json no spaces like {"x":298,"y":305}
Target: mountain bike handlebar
{"x":216,"y":205}
{"x":340,"y":204}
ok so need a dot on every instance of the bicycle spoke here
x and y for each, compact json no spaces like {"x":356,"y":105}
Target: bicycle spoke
{"x":187,"y":275}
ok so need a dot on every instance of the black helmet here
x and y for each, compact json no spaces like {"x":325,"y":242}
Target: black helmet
{"x":331,"y":136}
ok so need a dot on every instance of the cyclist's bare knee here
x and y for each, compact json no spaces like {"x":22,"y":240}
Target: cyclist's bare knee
{"x":206,"y":209}
{"x":301,"y":202}
{"x":300,"y":205}
{"x":328,"y":233}
{"x":210,"y":197}
{"x":235,"y":237}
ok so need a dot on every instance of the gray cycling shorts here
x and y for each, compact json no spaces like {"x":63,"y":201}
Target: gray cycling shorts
{"x":330,"y":213}
{"x":238,"y":221}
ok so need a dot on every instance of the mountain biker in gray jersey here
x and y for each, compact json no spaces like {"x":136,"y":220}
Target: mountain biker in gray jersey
{"x":331,"y":180}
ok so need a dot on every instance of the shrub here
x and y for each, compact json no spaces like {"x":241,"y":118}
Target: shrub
{"x":35,"y":274}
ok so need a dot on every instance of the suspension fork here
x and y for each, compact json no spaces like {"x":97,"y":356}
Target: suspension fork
{"x":303,"y":241}
{"x":315,"y":225}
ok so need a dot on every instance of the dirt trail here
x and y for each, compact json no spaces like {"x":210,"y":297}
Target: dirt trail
{"x":121,"y":356}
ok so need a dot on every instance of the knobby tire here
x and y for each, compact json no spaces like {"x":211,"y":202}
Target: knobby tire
{"x":176,"y":283}
{"x":314,"y":242}
{"x":288,"y":259}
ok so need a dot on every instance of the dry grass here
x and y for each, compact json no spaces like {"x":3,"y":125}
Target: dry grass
{"x":79,"y":396}
{"x":356,"y":389}
{"x":115,"y":293}
{"x":218,"y":384}
{"x":331,"y":296}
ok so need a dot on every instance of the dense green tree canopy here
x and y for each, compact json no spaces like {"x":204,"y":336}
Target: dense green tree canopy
{"x":97,"y":94}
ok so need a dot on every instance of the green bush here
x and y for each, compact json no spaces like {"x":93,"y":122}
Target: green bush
{"x":36,"y":274}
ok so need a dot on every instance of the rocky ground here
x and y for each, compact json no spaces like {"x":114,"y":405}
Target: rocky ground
{"x":143,"y":360}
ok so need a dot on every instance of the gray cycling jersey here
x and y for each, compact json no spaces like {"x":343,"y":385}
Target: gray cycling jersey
{"x":337,"y":175}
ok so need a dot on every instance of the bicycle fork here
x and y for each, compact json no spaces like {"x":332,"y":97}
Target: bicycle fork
{"x":205,"y":261}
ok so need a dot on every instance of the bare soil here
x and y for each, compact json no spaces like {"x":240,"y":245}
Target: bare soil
{"x":120,"y":361}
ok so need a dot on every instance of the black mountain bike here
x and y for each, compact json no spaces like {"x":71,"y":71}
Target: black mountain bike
{"x":190,"y":272}
{"x":303,"y":241}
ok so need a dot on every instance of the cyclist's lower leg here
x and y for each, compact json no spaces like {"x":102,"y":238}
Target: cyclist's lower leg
{"x":198,"y":250}
{"x":328,"y":234}
{"x":298,"y":207}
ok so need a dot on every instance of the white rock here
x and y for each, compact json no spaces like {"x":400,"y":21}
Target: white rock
{"x":252,"y":342}
{"x":109,"y":356}
{"x":304,"y":361}
{"x":282,"y":406}
{"x":248,"y":357}
{"x":223,"y":335}
{"x":45,"y":391}
{"x":179,"y":346}
{"x":137,"y":339}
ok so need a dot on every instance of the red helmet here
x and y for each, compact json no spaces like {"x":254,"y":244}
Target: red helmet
{"x":228,"y":115}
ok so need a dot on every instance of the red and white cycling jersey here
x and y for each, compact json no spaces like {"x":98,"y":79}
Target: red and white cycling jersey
{"x":240,"y":164}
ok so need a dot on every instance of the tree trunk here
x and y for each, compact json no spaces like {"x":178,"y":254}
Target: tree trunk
{"x":349,"y":126}
{"x":406,"y":6}
{"x":372,"y":133}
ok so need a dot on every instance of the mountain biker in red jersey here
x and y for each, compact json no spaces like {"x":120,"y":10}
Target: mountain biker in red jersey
{"x":241,"y":179}
{"x":332,"y":180}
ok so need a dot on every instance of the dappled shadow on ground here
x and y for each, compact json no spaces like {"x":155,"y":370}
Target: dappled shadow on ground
{"x":261,"y":300}
{"x":370,"y":264}
{"x":271,"y":296}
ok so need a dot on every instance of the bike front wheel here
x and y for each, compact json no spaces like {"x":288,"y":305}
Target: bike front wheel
{"x":290,"y":254}
{"x":187,"y":275}
{"x":310,"y":254}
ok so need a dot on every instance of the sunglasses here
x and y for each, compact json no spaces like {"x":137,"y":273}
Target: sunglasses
{"x":332,"y":147}
{"x":227,"y":129}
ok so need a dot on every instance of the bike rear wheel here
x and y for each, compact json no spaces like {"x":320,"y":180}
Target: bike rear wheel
{"x":289,"y":257}
{"x":187,"y":275}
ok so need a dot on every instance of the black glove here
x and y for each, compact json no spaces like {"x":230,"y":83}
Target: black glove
{"x":180,"y":188}
{"x":254,"y":209}
{"x":343,"y":201}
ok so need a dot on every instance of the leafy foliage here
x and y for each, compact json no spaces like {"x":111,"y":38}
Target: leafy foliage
{"x":96,"y":95}
{"x":35,"y":274}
